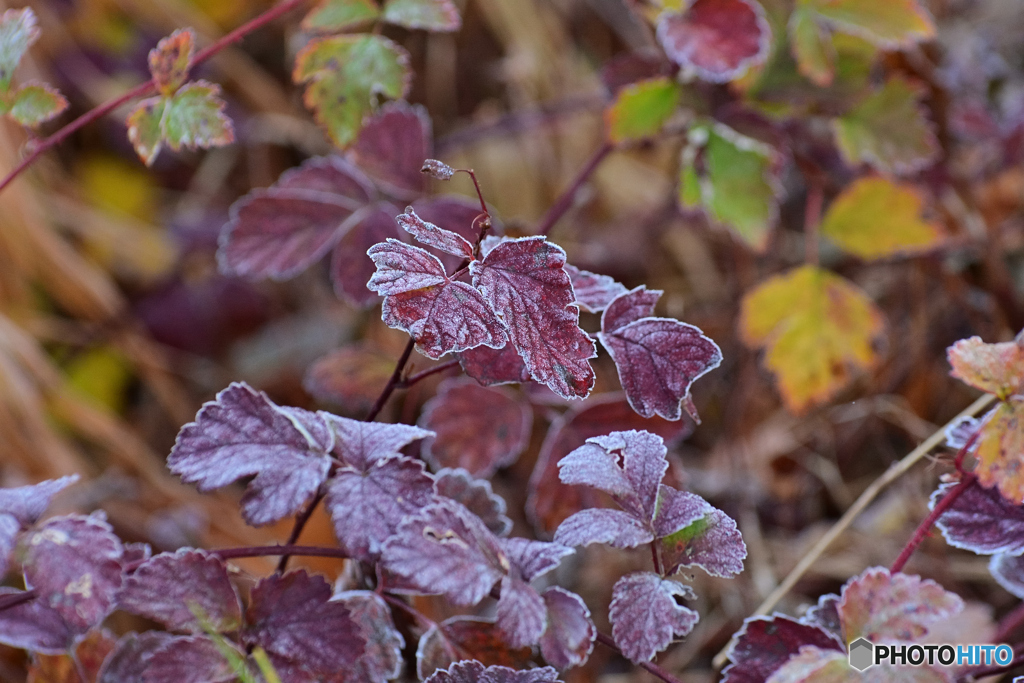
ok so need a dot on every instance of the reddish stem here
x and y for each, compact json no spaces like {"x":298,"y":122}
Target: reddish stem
{"x":476,"y":184}
{"x":657,"y":558}
{"x":14,"y":599}
{"x":966,"y":482}
{"x":300,"y":524}
{"x":265,"y":550}
{"x":396,"y":378}
{"x":651,"y":667}
{"x":423,"y":374}
{"x":141,"y":89}
{"x":564,"y":202}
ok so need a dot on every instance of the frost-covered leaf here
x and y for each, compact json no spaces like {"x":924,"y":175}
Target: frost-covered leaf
{"x":28,"y":503}
{"x":243,"y":433}
{"x":363,"y":444}
{"x":657,"y":359}
{"x":431,"y":235}
{"x":437,"y":169}
{"x":476,"y":496}
{"x":1000,"y":450}
{"x":392,"y":145}
{"x":712,"y":543}
{"x":645,"y":615}
{"x":74,"y":565}
{"x":530,"y":559}
{"x":476,"y":672}
{"x":641,"y":109}
{"x":765,"y":643}
{"x":879,"y":606}
{"x":332,"y":16}
{"x":446,"y":549}
{"x":18,"y":30}
{"x":478,"y":428}
{"x":188,"y":659}
{"x":32,"y":625}
{"x":169,"y":61}
{"x":382,"y":659}
{"x":677,"y":510}
{"x":959,"y":434}
{"x":889,"y":130}
{"x":443,"y":315}
{"x":454,"y":213}
{"x":628,"y":307}
{"x":461,"y":638}
{"x":525,"y":282}
{"x":981,"y":520}
{"x":593,"y":292}
{"x":194,"y":118}
{"x":1008,"y":571}
{"x":368,"y":505}
{"x":875,"y":217}
{"x":432,"y":15}
{"x":36,"y":103}
{"x":887,"y":23}
{"x":818,"y":329}
{"x":598,"y":525}
{"x":351,"y":266}
{"x":9,"y":529}
{"x":350,"y":377}
{"x":291,"y":616}
{"x":717,"y":39}
{"x":144,"y":128}
{"x":825,"y":615}
{"x":169,"y":587}
{"x":994,"y":368}
{"x":521,"y":613}
{"x":345,"y":75}
{"x":569,"y":633}
{"x":491,"y":367}
{"x":129,"y":661}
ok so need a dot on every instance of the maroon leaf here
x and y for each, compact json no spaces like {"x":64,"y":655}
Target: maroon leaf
{"x":188,"y":659}
{"x":521,"y":612}
{"x":478,"y":429}
{"x":291,"y":616}
{"x":431,"y":235}
{"x":462,"y":638}
{"x":477,"y":497}
{"x":32,"y":625}
{"x":129,"y":661}
{"x":392,"y":145}
{"x":446,"y":549}
{"x":598,"y":525}
{"x":475,"y":672}
{"x":494,"y":366}
{"x":678,"y":509}
{"x":367,"y":506}
{"x":825,"y":615}
{"x":629,"y":307}
{"x":169,"y":586}
{"x":74,"y":565}
{"x":350,"y":377}
{"x":981,"y":520}
{"x":569,"y":632}
{"x":657,"y":359}
{"x":525,"y":281}
{"x":280,"y":231}
{"x":713,"y":543}
{"x":351,"y":267}
{"x":28,"y":503}
{"x":363,"y":444}
{"x":593,"y":292}
{"x":382,"y":659}
{"x":1008,"y":571}
{"x":765,"y":643}
{"x":443,"y":315}
{"x":243,"y":433}
{"x":453,"y":213}
{"x":717,"y":39}
{"x":531,"y":559}
{"x":645,"y":615}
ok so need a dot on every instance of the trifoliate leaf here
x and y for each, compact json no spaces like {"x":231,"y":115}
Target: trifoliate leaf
{"x":641,"y":109}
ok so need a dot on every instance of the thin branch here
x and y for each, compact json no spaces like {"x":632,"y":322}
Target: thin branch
{"x":14,"y":599}
{"x":423,"y":374}
{"x":271,"y":550}
{"x":656,"y":558}
{"x":300,"y":524}
{"x":410,"y":610}
{"x":564,"y":202}
{"x":396,"y":378}
{"x":812,"y":219}
{"x":651,"y":667}
{"x":479,"y":192}
{"x":42,"y":146}
{"x":926,"y":524}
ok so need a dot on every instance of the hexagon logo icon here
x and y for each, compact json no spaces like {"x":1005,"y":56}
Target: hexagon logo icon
{"x":862,"y":654}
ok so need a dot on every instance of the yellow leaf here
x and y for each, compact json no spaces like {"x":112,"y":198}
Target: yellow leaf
{"x":1001,"y":450}
{"x":101,"y":376}
{"x":875,"y":217}
{"x":994,"y":368}
{"x":817,"y":329}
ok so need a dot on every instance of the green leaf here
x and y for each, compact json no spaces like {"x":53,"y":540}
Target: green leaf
{"x":194,"y":117}
{"x":18,"y":31}
{"x":875,"y":217}
{"x":641,"y":109}
{"x":432,"y":15}
{"x":812,"y":48}
{"x":888,"y":130}
{"x":35,"y":103}
{"x":347,"y":75}
{"x":169,"y":61}
{"x":887,"y":23}
{"x":340,"y":15}
{"x":144,"y":129}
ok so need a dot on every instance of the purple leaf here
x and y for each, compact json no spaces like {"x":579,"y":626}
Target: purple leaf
{"x":351,"y":267}
{"x":446,"y":549}
{"x":74,"y":564}
{"x":598,"y":525}
{"x":28,"y":503}
{"x":569,"y":633}
{"x":1008,"y":571}
{"x":958,"y":434}
{"x":9,"y":529}
{"x":645,"y":616}
{"x":521,"y":613}
{"x":678,"y":509}
{"x":129,"y":661}
{"x":280,"y":231}
{"x":531,"y":559}
{"x":462,"y":638}
{"x":368,"y":506}
{"x":765,"y":643}
{"x":478,"y":429}
{"x":443,"y":315}
{"x":629,"y":307}
{"x":168,"y":587}
{"x":525,"y":281}
{"x":981,"y":520}
{"x":825,"y":615}
{"x":243,"y":433}
{"x":717,"y":39}
{"x":494,"y":366}
{"x":475,"y":672}
{"x":363,"y":444}
{"x":477,"y":496}
{"x":392,"y":145}
{"x":431,"y":235}
{"x":712,"y":543}
{"x":291,"y":616}
{"x":593,"y":292}
{"x":32,"y":625}
{"x":382,"y":659}
{"x":188,"y":659}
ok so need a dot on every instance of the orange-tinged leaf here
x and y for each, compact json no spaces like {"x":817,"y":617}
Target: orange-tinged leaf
{"x":994,"y":368}
{"x":641,"y":109}
{"x":817,"y":328}
{"x":888,"y":23}
{"x":144,"y":128}
{"x":90,"y":652}
{"x":36,"y":103}
{"x":875,"y":217}
{"x":169,"y":61}
{"x":1000,"y":451}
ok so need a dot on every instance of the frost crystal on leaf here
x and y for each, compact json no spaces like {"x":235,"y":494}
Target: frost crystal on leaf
{"x":475,"y":672}
{"x":712,"y":543}
{"x":593,"y":292}
{"x":981,"y":520}
{"x":569,"y":633}
{"x":521,"y":612}
{"x":477,"y":496}
{"x":382,"y":659}
{"x":645,"y":615}
{"x":34,"y":626}
{"x":433,"y":236}
{"x":437,"y":169}
{"x":765,"y":643}
{"x":462,"y":638}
